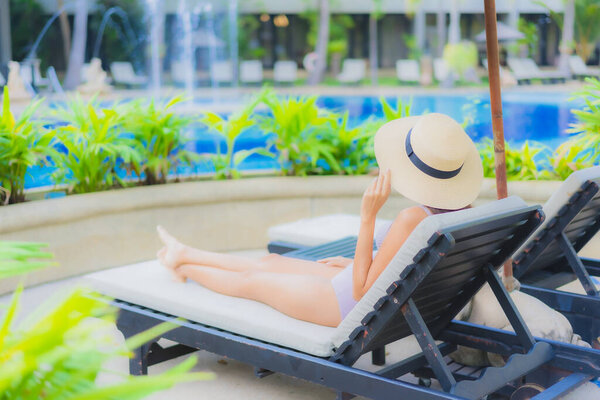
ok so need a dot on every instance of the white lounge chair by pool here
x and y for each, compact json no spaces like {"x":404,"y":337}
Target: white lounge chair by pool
{"x":285,"y":72}
{"x":580,"y":69}
{"x":408,"y":71}
{"x":354,"y":70}
{"x":124,"y":74}
{"x":251,"y":71}
{"x":221,"y":72}
{"x":525,"y":69}
{"x":440,"y":70}
{"x":31,"y":74}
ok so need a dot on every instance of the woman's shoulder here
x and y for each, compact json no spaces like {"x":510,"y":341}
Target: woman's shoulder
{"x":412,"y":214}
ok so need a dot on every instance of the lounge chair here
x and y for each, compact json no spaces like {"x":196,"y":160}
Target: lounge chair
{"x":549,"y":259}
{"x":285,"y":72}
{"x":443,"y":263}
{"x":251,"y":71}
{"x":353,"y":71}
{"x":580,"y":69}
{"x":408,"y":71}
{"x":221,"y":72}
{"x":506,"y":78}
{"x":31,"y":74}
{"x":525,"y":70}
{"x":124,"y":74}
{"x":440,"y":70}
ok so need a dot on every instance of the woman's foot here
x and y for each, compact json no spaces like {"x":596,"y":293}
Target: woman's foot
{"x":171,"y":255}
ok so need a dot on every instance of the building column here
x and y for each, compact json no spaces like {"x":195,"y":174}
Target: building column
{"x":441,"y":28}
{"x":419,"y":28}
{"x":454,"y":28}
{"x":5,"y":39}
{"x":232,"y":14}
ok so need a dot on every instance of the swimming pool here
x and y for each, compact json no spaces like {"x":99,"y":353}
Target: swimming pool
{"x":540,"y":117}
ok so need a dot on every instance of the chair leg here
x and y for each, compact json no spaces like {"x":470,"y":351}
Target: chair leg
{"x":138,"y":364}
{"x":378,"y":356}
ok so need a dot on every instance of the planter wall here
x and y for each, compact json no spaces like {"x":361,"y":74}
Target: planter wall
{"x":100,"y":230}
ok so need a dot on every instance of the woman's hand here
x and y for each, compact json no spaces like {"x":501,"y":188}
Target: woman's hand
{"x":337,"y":261}
{"x":375,"y":196}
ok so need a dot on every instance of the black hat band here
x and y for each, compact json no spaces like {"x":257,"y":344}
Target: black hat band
{"x":423,"y":167}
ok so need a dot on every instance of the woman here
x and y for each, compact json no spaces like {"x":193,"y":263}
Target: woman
{"x":428,"y":159}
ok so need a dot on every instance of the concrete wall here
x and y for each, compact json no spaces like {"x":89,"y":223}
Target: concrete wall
{"x":100,"y":230}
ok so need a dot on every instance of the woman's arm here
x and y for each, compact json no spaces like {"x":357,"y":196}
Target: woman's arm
{"x":373,"y":199}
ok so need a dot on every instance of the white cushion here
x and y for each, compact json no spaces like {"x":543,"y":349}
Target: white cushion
{"x":319,"y":230}
{"x":562,"y":195}
{"x":150,"y":285}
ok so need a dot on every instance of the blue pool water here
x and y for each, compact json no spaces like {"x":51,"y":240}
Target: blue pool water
{"x":540,"y":117}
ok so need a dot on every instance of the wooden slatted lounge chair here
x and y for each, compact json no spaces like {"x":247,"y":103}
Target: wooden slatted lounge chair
{"x":408,"y":71}
{"x":444,"y":262}
{"x":580,"y":69}
{"x":285,"y":72}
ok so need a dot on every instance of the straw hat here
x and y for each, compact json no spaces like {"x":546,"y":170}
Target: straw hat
{"x":432,"y":160}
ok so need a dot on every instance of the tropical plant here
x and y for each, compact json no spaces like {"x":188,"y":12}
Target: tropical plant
{"x":530,"y":39}
{"x":24,"y":143}
{"x":414,"y":51}
{"x":350,"y":146}
{"x":571,"y":156}
{"x":248,"y":26}
{"x":95,"y":147}
{"x":520,"y":162}
{"x":460,"y":57}
{"x":587,"y":29}
{"x":302,"y":134}
{"x":60,"y":350}
{"x":160,"y":134}
{"x":226,"y":162}
{"x":588,"y":121}
{"x":401,"y":110}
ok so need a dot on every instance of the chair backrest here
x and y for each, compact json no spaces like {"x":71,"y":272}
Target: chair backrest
{"x":578,"y":67}
{"x":408,"y":70}
{"x":529,"y":65}
{"x":122,"y":71}
{"x":440,"y":69}
{"x":573,"y":209}
{"x":440,"y":267}
{"x":26,"y":72}
{"x":354,"y":68}
{"x":285,"y":71}
{"x":221,"y":71}
{"x":251,"y":71}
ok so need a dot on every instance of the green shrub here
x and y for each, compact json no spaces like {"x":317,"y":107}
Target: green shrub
{"x":303,"y":134}
{"x":60,"y":350}
{"x":350,"y":146}
{"x":460,"y":57}
{"x":520,"y":162}
{"x":95,"y":148}
{"x":226,"y":163}
{"x":571,"y":156}
{"x":160,"y":137}
{"x":588,"y":121}
{"x":24,"y":143}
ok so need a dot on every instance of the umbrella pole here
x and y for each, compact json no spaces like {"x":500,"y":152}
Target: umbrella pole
{"x":496,"y":108}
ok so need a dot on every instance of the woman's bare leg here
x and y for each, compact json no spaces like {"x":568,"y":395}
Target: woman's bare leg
{"x":305,"y":297}
{"x":175,"y":253}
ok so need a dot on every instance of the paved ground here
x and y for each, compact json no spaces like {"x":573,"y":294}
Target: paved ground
{"x":233,"y":379}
